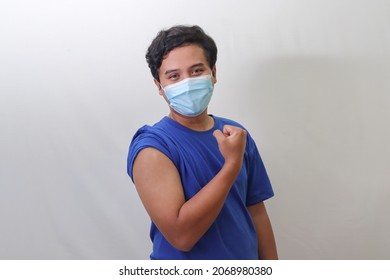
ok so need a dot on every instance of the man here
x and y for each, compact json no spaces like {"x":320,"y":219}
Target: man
{"x":199,"y":176}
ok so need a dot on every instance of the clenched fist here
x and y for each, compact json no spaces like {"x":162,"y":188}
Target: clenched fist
{"x":231,"y":143}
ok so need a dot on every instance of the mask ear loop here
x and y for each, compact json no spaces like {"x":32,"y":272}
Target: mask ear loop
{"x":161,"y":87}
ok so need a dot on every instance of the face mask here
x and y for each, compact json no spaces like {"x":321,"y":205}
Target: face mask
{"x":191,"y":96}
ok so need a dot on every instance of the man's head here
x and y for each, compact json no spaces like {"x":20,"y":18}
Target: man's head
{"x":178,"y":36}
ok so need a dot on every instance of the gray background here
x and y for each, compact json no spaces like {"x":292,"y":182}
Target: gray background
{"x":309,"y":79}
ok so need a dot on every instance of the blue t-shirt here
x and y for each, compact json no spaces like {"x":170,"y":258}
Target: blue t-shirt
{"x":197,"y":158}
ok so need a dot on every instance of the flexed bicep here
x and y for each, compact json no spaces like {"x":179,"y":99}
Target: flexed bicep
{"x":159,"y":186}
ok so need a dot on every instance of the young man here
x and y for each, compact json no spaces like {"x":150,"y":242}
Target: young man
{"x":199,"y":176}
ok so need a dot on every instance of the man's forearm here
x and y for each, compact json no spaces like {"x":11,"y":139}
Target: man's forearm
{"x":197,"y":214}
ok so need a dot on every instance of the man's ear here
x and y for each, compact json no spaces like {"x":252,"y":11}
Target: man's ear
{"x":214,"y":73}
{"x":158,"y":85}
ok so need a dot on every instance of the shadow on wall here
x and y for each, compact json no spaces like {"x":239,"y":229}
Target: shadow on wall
{"x":326,"y":131}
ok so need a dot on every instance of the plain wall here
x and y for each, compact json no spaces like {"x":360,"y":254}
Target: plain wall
{"x":309,"y":79}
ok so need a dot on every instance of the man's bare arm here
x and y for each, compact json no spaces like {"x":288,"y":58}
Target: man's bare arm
{"x":265,"y":235}
{"x":158,"y":183}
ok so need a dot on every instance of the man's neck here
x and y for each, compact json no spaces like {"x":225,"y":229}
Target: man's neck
{"x":202,"y":122}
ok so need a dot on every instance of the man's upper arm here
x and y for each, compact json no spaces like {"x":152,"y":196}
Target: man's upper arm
{"x":265,"y":236}
{"x":159,"y":186}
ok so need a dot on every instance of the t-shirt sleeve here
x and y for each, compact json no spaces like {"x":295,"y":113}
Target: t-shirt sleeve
{"x":145,"y":138}
{"x":259,"y":185}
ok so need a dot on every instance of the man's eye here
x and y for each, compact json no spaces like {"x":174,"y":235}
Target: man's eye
{"x":197,"y":71}
{"x":174,"y":77}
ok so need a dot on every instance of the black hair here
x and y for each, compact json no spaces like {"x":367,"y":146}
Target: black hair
{"x":177,"y":36}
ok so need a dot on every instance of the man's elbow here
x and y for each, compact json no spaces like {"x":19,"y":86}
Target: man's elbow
{"x":182,"y":243}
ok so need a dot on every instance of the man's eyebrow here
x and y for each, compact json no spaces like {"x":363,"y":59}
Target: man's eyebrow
{"x":178,"y":70}
{"x":197,"y":64}
{"x":171,"y":70}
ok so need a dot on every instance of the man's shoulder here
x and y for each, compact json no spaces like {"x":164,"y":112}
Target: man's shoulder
{"x":150,"y":130}
{"x":227,"y":121}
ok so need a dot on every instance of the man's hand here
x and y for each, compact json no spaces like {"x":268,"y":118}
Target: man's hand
{"x":231,"y":143}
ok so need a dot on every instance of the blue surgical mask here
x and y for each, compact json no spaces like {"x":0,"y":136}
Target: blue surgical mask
{"x":191,"y":96}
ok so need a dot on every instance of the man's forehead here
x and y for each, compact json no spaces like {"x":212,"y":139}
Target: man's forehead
{"x":184,"y":57}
